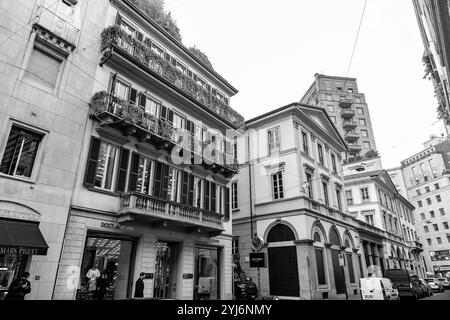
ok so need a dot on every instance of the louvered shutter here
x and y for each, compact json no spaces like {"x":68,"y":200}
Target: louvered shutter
{"x":227,"y":204}
{"x":91,"y":167}
{"x":134,"y":172}
{"x":206,"y":195}
{"x":123,"y":168}
{"x":213,"y":197}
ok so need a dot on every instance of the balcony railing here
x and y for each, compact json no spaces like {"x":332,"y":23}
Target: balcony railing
{"x":347,"y":113}
{"x":57,"y":25}
{"x":115,"y":37}
{"x":354,"y":147}
{"x":346,"y":103}
{"x":351,"y":136}
{"x":111,"y":110}
{"x":349,"y":124}
{"x":157,"y":209}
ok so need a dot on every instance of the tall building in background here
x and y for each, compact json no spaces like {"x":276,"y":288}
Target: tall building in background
{"x":348,"y":110}
{"x":433,"y":18}
{"x":427,"y":179}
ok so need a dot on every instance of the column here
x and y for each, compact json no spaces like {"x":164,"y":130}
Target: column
{"x":305,"y":262}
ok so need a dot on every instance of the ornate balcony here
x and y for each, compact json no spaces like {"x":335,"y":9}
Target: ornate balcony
{"x":349,"y":124}
{"x":132,"y":120}
{"x":347,"y":113}
{"x":354,"y":147}
{"x":113,"y":38}
{"x":416,"y":245}
{"x":136,"y":206}
{"x":56,"y":29}
{"x":346,"y":103}
{"x":351,"y":136}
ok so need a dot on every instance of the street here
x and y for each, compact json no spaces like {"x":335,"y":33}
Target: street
{"x":439,"y":296}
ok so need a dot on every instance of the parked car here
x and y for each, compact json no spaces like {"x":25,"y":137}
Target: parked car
{"x":244,"y":287}
{"x":428,"y":291}
{"x":435,"y":284}
{"x":377,"y":289}
{"x":445,"y":283}
{"x":406,"y":284}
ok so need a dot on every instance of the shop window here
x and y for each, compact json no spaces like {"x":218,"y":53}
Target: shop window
{"x":105,"y":270}
{"x":206,"y":275}
{"x":20,"y":152}
{"x":11,"y":266}
{"x":320,"y":266}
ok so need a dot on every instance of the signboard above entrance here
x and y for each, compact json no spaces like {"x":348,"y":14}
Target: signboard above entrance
{"x":257,"y":260}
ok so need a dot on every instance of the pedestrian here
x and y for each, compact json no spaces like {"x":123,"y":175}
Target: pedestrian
{"x":139,"y":291}
{"x":19,"y":287}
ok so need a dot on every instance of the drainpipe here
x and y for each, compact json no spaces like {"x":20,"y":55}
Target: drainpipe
{"x":250,"y":186}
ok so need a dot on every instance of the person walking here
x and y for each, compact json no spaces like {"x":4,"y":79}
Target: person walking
{"x":19,"y":287}
{"x":139,"y":290}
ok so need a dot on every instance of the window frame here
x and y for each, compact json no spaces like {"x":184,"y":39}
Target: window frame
{"x":275,"y":151}
{"x":278,"y":178}
{"x":234,"y":197}
{"x":115,"y":168}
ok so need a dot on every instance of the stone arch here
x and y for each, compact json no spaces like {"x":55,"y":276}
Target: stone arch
{"x":348,"y":238}
{"x":317,"y":227}
{"x":280,"y":231}
{"x":19,"y":211}
{"x":334,"y":237}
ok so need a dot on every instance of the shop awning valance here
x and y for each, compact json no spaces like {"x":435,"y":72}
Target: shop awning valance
{"x":17,"y":237}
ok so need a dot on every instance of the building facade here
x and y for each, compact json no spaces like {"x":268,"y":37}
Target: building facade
{"x":289,"y":192}
{"x":433,"y":18}
{"x":348,"y":110}
{"x":43,"y":112}
{"x":427,"y":179}
{"x":373,"y":199}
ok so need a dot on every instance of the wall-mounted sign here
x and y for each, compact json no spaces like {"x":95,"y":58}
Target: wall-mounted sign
{"x":188,"y":276}
{"x":257,"y":260}
{"x":148,"y":276}
{"x":22,"y":250}
{"x":116,"y":226}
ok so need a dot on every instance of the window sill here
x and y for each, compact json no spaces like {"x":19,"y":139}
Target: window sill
{"x":18,"y":178}
{"x":109,"y":193}
{"x":307,"y":156}
{"x":235,"y":210}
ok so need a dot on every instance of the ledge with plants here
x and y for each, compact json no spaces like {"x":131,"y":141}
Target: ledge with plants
{"x":114,"y":36}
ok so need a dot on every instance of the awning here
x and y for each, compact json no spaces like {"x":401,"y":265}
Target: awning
{"x":18,"y":237}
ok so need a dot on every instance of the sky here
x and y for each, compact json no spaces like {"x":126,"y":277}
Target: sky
{"x":270,"y":51}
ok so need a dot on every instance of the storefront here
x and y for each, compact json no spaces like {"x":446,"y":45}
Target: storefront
{"x":19,"y":241}
{"x":206,"y":273}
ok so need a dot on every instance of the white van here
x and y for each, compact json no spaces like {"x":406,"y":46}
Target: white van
{"x":377,"y":289}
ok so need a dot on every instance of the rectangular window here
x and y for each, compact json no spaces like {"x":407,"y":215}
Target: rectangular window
{"x":366,"y":145}
{"x":436,"y":186}
{"x":325,"y":193}
{"x":172,"y":187}
{"x":365,"y":194}
{"x":435,"y":226}
{"x":234,"y":195}
{"x":438,"y":198}
{"x":320,"y":265}
{"x":418,"y":192}
{"x":329,"y":97}
{"x":448,"y":239}
{"x":277,"y":186}
{"x":338,"y":197}
{"x":333,"y":163}
{"x":106,"y":166}
{"x":445,"y":225}
{"x":420,"y":203}
{"x":274,"y":140}
{"x":143,"y":177}
{"x":432,"y":214}
{"x":43,"y":67}
{"x":429,"y":242}
{"x":349,"y":195}
{"x":305,"y":142}
{"x":309,"y":185}
{"x":369,"y":219}
{"x":362,"y":122}
{"x":426,"y":229}
{"x":428,"y":200}
{"x":20,"y":152}
{"x":364,"y":133}
{"x":427,"y":189}
{"x":320,"y":153}
{"x":439,"y":240}
{"x":422,"y":215}
{"x":442,"y":211}
{"x":350,"y":267}
{"x":330,"y":108}
{"x":359,"y":111}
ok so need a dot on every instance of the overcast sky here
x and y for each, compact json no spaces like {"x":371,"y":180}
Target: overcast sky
{"x":270,"y":51}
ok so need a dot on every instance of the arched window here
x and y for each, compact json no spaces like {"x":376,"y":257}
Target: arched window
{"x":279,"y":233}
{"x":317,"y":237}
{"x":347,"y":244}
{"x":334,"y":237}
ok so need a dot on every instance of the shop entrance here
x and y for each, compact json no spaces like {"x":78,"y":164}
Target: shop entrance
{"x":206,"y":274}
{"x":106,"y":271}
{"x":166,"y":267}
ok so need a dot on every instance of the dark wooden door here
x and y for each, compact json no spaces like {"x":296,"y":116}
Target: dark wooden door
{"x":339,"y":277}
{"x":283,"y":271}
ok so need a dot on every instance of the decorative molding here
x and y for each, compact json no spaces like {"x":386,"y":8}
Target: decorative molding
{"x":296,"y":124}
{"x":304,"y":241}
{"x":48,"y":37}
{"x":107,"y":134}
{"x":308,"y":167}
{"x":324,"y":177}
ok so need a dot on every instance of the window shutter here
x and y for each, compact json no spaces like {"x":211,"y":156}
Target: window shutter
{"x":227,"y":204}
{"x":123,"y":167}
{"x":118,"y":19}
{"x":142,"y":100}
{"x":191,"y":190}
{"x":165,"y":181}
{"x":174,"y":61}
{"x":140,"y":36}
{"x":91,"y":167}
{"x":208,"y":87}
{"x":167,"y":56}
{"x":213,"y":197}
{"x":148,"y":42}
{"x":195,"y":77}
{"x":134,"y":172}
{"x":214,"y":92}
{"x":163,"y":114}
{"x":133,"y":96}
{"x":189,"y":72}
{"x":206,"y":195}
{"x":170,"y":116}
{"x":185,"y":188}
{"x":157,"y":181}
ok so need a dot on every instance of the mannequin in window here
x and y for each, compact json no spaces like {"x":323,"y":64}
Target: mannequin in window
{"x":92,"y":276}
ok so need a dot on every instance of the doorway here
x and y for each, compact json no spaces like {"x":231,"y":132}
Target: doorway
{"x":283,"y":271}
{"x":166,"y":267}
{"x":339,"y":277}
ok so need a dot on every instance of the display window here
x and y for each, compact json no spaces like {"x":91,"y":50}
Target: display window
{"x":106,"y":268}
{"x":206,"y":274}
{"x":11,"y":266}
